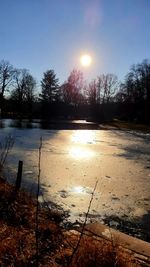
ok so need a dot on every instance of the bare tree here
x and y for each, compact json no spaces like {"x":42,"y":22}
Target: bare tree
{"x":136,"y":87}
{"x":72,"y":89}
{"x":92,"y":93}
{"x":6,"y":77}
{"x":143,"y":72}
{"x":134,"y":93}
{"x":23,"y":94}
{"x":109,"y":86}
{"x":103,"y":89}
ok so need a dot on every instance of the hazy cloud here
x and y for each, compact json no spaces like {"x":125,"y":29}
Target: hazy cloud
{"x":93,"y":13}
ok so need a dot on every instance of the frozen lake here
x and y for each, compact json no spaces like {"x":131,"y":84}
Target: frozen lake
{"x":73,"y":160}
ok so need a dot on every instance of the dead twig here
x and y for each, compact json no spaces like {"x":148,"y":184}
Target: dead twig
{"x":37,"y":204}
{"x":4,"y":149}
{"x":84,"y":224}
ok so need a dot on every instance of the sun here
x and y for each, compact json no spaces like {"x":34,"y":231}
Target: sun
{"x":85,"y":60}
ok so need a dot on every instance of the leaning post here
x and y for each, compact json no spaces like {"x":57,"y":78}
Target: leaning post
{"x":19,"y":175}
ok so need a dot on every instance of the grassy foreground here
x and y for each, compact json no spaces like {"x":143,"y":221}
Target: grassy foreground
{"x":56,"y":246}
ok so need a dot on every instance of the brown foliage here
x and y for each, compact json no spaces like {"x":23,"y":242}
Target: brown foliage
{"x":96,"y":252}
{"x":17,"y":229}
{"x":56,"y":246}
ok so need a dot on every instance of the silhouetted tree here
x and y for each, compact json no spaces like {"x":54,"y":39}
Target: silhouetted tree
{"x":103,"y":89}
{"x":23,"y":94}
{"x":143,"y":71}
{"x":72,"y":89}
{"x":6,"y":77}
{"x":134,"y":93}
{"x":120,"y":95}
{"x":72,"y":94}
{"x":108,"y":87}
{"x":136,"y":87}
{"x":92,"y":93}
{"x":50,"y":93}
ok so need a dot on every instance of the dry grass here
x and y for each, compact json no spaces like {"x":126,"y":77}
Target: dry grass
{"x":97,"y":252}
{"x":56,"y":246}
{"x":17,"y":229}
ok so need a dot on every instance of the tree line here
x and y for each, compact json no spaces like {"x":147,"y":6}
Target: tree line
{"x":102,"y":99}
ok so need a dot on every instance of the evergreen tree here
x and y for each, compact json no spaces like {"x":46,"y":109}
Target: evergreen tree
{"x":50,"y":93}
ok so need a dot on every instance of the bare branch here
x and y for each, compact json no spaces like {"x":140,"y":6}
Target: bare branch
{"x":85,"y":221}
{"x":37,"y":205}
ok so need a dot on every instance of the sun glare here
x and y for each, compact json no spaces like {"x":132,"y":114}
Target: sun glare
{"x":80,"y":139}
{"x":83,"y":137}
{"x":78,"y":189}
{"x":80,"y":153}
{"x":85,"y":60}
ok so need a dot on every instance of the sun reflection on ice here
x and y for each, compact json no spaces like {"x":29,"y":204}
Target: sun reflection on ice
{"x":78,"y":189}
{"x":83,"y":137}
{"x":80,"y":153}
{"x":80,"y":140}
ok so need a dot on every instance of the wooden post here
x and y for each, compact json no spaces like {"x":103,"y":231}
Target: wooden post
{"x":19,"y":175}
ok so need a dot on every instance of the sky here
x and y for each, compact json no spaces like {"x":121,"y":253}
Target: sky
{"x":52,"y":34}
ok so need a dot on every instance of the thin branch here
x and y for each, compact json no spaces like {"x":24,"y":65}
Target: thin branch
{"x":37,"y":204}
{"x":85,"y":221}
{"x":9,"y":142}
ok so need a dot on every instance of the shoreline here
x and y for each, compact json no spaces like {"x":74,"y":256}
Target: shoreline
{"x":75,"y":125}
{"x":56,"y":244}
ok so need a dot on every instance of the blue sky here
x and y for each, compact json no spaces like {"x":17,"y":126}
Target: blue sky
{"x":52,"y":34}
